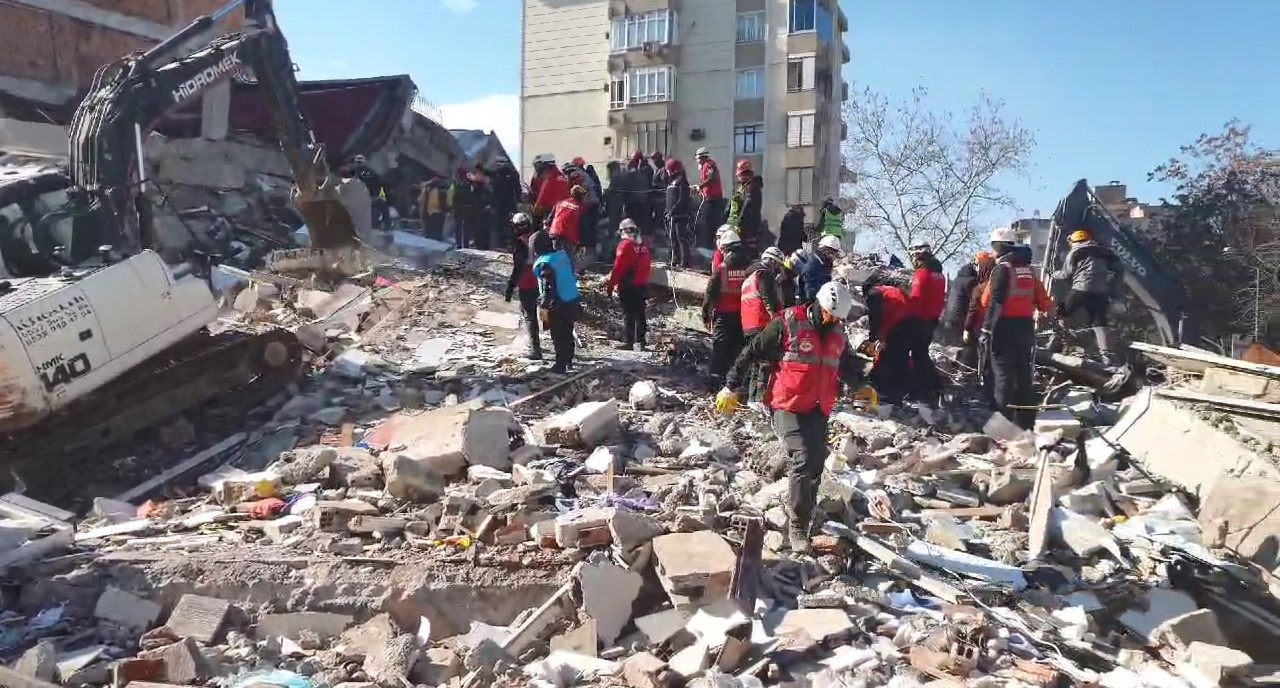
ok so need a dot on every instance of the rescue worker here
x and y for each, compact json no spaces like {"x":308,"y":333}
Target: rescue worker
{"x":722,"y":306}
{"x":523,"y":281}
{"x":462,"y":202}
{"x":577,"y":175}
{"x":928,"y":299}
{"x":566,"y":221}
{"x":1011,"y":299}
{"x":887,"y":343}
{"x":788,"y":280}
{"x":761,"y":303}
{"x":810,"y":356}
{"x":717,"y":256}
{"x":816,"y":270}
{"x":960,"y":294}
{"x":831,"y":219}
{"x":679,"y":204}
{"x":632,"y":264}
{"x":1095,"y":273}
{"x":381,"y":210}
{"x":745,"y":207}
{"x":791,"y":231}
{"x":504,"y":186}
{"x":433,"y":206}
{"x":548,"y":188}
{"x":711,"y":188}
{"x":558,"y":299}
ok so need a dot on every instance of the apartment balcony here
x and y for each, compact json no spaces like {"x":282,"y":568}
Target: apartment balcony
{"x":805,"y":156}
{"x":749,"y":54}
{"x":642,"y":112}
{"x":806,"y":42}
{"x":802,"y":100}
{"x":844,"y":53}
{"x":842,"y":21}
{"x":622,"y":8}
{"x":651,"y":55}
{"x":844,"y":91}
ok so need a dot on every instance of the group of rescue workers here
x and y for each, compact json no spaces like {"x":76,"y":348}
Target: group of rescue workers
{"x":777,"y":319}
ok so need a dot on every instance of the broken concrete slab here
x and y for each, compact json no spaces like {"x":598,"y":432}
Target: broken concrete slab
{"x":584,"y":426}
{"x":126,"y":610}
{"x":1244,"y":508}
{"x":631,"y":529}
{"x":1215,"y":665}
{"x":806,"y":627}
{"x":182,"y":661}
{"x":198,"y":617}
{"x":1154,"y":609}
{"x":645,"y":670}
{"x":446,"y":440}
{"x":411,"y":479}
{"x":293,"y":624}
{"x":390,"y":664}
{"x":694,"y":565}
{"x":1177,"y":633}
{"x":40,"y":662}
{"x":1054,"y":420}
{"x":660,"y":627}
{"x":502,"y":320}
{"x":607,"y":594}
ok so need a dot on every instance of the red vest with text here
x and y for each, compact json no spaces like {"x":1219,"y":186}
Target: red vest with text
{"x":730,"y":300}
{"x":1025,"y":292}
{"x":754,"y":314}
{"x":809,"y":375}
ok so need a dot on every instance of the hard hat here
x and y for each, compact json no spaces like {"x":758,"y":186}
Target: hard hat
{"x":921,"y":247}
{"x":579,"y":161}
{"x":984,"y":258}
{"x":674,"y":165}
{"x":1080,"y":236}
{"x":521,"y":219}
{"x":627,"y":226}
{"x":773,"y":254}
{"x":836,"y":299}
{"x":703,"y":153}
{"x":359,"y":159}
{"x":578,"y":191}
{"x":727,"y":236}
{"x":1003,"y":235}
{"x":832,"y":243}
{"x":744,"y":167}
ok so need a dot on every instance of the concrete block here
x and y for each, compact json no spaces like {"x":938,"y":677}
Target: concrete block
{"x":583,"y":426}
{"x":1050,"y":420}
{"x":644,"y":395}
{"x":1008,"y":488}
{"x":292,"y":625}
{"x":411,"y":479}
{"x":630,"y":529}
{"x":697,"y":565}
{"x":358,"y":641}
{"x":807,"y":627}
{"x":661,"y":626}
{"x":331,"y":516}
{"x":1215,"y":663}
{"x":183,"y":663}
{"x":437,"y":666}
{"x":608,"y":592}
{"x":128,"y":611}
{"x":390,"y":664}
{"x":582,"y":528}
{"x":1177,"y":634}
{"x":198,"y":617}
{"x":447,"y":439}
{"x":353,"y":467}
{"x":1246,"y":509}
{"x":644,"y":671}
{"x":40,"y":662}
{"x":1154,"y":609}
{"x":280,"y":529}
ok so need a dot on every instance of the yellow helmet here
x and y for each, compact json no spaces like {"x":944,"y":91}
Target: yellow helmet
{"x":1080,"y":236}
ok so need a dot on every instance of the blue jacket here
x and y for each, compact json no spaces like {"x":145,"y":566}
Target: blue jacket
{"x":813,"y":274}
{"x":566,"y":282}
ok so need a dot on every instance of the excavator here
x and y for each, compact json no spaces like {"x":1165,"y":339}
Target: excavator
{"x":110,"y":342}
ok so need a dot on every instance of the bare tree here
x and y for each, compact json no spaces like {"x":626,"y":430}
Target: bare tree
{"x":926,"y":176}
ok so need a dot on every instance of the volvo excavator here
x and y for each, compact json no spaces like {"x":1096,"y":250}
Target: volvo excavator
{"x":109,"y":345}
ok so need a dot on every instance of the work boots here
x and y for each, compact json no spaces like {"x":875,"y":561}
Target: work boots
{"x":1106,"y":348}
{"x":799,"y":512}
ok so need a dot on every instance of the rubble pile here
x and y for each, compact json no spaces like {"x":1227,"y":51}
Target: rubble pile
{"x":431,"y":508}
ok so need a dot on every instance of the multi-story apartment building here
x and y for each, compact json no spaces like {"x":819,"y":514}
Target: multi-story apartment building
{"x":1034,"y":231}
{"x":753,"y":79}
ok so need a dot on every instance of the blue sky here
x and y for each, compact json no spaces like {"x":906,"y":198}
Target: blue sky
{"x":1110,"y":89}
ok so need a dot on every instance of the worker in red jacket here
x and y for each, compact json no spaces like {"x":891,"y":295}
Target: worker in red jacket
{"x":630,"y":277}
{"x":711,"y":211}
{"x":888,"y":308}
{"x":722,"y":306}
{"x":548,"y":188}
{"x":523,"y":280}
{"x":928,"y":300}
{"x":566,"y":221}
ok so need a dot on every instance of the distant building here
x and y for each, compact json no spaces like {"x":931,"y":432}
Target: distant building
{"x":479,"y":147}
{"x":1034,"y":231}
{"x":1141,"y":218}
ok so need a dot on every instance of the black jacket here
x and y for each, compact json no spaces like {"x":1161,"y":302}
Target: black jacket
{"x":766,"y":347}
{"x":679,"y":197}
{"x":750,"y":221}
{"x":505,"y":183}
{"x":372,"y":180}
{"x":791,"y":232}
{"x":959,"y":292}
{"x":735,"y":258}
{"x":769,"y":287}
{"x":520,"y":260}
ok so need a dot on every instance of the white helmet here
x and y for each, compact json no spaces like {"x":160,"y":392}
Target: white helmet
{"x":703,"y":153}
{"x":773,"y":254}
{"x":919,"y":247}
{"x":832,"y":243}
{"x":1004,"y":234}
{"x":627,"y":226}
{"x":521,"y":219}
{"x":359,"y":159}
{"x":836,"y":299}
{"x":727,"y":236}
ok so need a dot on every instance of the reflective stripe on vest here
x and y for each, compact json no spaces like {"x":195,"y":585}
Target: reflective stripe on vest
{"x":730,"y":300}
{"x":808,"y":376}
{"x":796,"y":330}
{"x":754,"y":313}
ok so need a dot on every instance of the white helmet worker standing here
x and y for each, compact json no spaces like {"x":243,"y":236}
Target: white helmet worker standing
{"x":831,"y":243}
{"x":836,"y":300}
{"x":1004,"y":235}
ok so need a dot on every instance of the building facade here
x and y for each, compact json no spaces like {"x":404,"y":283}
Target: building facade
{"x":1034,"y":232}
{"x":747,"y":79}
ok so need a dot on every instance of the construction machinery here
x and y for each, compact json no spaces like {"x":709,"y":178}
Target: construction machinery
{"x":98,"y":344}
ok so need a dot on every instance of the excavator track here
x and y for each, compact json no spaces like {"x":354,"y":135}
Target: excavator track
{"x":255,"y":364}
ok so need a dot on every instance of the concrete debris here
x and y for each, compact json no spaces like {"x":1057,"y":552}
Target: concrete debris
{"x":431,"y":507}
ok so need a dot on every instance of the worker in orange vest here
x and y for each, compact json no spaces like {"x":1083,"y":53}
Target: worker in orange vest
{"x":810,"y":354}
{"x":722,"y":305}
{"x":761,"y":303}
{"x":1011,"y":298}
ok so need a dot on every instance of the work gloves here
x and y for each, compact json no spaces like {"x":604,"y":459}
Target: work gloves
{"x":727,"y":402}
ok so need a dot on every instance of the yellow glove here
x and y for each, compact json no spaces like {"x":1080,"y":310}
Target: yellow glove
{"x":867,"y":395}
{"x":727,"y":402}
{"x":544,"y":317}
{"x":967,"y":337}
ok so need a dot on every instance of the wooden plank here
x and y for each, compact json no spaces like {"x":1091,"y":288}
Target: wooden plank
{"x":1197,"y":361}
{"x":910,"y":571}
{"x":989,"y":511}
{"x":199,"y":618}
{"x":182,"y":469}
{"x":1041,"y":505}
{"x":18,"y":506}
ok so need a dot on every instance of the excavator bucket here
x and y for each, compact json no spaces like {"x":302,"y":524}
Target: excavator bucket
{"x":338,"y":212}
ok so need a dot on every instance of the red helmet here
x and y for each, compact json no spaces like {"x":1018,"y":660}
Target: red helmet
{"x":744,"y":168}
{"x":579,"y":162}
{"x":674,"y":165}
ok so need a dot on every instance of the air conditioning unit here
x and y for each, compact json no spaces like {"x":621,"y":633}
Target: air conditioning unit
{"x":650,"y":47}
{"x":697,"y":134}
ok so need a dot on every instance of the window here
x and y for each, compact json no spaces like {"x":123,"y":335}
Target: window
{"x":748,"y":139}
{"x":631,"y":32}
{"x":617,"y":92}
{"x":650,"y":85}
{"x":803,"y":15}
{"x":647,"y":137}
{"x":800,"y":186}
{"x":800,"y":72}
{"x":750,"y":83}
{"x":750,"y":27}
{"x":800,"y":129}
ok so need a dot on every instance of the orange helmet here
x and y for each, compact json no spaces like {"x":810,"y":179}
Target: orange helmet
{"x":744,"y":168}
{"x":1080,"y":236}
{"x":984,"y":258}
{"x":579,"y":162}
